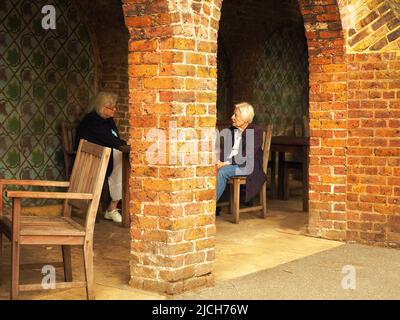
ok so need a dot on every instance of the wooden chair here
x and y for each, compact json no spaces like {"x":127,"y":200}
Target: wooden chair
{"x":84,"y":189}
{"x":68,"y":131}
{"x":236,"y":182}
{"x":300,"y":129}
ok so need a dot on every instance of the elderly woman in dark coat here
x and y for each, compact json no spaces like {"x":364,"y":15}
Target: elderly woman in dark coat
{"x":244,"y":156}
{"x":98,"y":126}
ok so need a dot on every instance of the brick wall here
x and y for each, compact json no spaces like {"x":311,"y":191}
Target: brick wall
{"x":373,"y":155}
{"x":328,"y":119}
{"x":110,"y":40}
{"x":354,"y":152}
{"x":372,"y":148}
{"x":172,"y":77}
{"x":371,"y":25}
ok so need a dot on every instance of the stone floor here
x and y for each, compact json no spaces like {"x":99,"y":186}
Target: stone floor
{"x":253,"y":245}
{"x":347,"y":272}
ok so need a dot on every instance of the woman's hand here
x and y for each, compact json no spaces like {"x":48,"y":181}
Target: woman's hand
{"x":221,"y":164}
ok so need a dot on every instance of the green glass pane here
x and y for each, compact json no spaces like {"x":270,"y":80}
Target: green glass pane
{"x":13,"y":91}
{"x":13,"y":23}
{"x":83,"y":34}
{"x":13,"y":125}
{"x":83,"y":64}
{"x":13,"y":158}
{"x":13,"y":57}
{"x":61,"y":61}
{"x":62,"y":30}
{"x":37,"y":157}
{"x":37,"y":26}
{"x":61,"y":94}
{"x":38,"y":59}
{"x":39,"y":91}
{"x":38,"y":124}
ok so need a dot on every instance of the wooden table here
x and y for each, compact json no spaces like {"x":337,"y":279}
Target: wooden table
{"x":126,"y":170}
{"x":294,"y":145}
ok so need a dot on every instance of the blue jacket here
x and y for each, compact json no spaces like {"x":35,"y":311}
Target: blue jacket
{"x":98,"y":130}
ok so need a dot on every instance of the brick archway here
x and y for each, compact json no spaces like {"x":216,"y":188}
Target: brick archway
{"x":328,"y":118}
{"x":172,"y":77}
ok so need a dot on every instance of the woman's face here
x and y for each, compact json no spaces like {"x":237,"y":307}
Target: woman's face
{"x":109,"y":110}
{"x":237,"y":119}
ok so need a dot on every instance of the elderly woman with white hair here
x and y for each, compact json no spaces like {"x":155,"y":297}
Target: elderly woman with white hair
{"x":240,"y":160}
{"x":98,"y":126}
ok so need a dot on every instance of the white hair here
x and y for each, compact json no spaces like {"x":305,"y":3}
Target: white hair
{"x":246,"y":110}
{"x":102,"y":100}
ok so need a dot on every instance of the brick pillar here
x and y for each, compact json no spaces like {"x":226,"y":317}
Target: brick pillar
{"x":328,"y":119}
{"x":172,"y":82}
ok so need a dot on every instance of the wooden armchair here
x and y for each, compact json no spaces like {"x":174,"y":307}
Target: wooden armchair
{"x":84,"y":189}
{"x":236,"y":182}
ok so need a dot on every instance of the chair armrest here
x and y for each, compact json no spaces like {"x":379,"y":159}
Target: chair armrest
{"x":38,"y":183}
{"x":49,"y":195}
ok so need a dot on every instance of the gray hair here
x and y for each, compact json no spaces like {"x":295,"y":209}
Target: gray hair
{"x":246,"y":110}
{"x":102,"y":100}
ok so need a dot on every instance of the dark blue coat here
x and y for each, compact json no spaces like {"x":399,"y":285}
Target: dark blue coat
{"x":98,"y":130}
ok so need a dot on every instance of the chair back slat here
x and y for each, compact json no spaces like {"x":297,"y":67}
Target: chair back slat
{"x":68,"y":133}
{"x":68,"y":136}
{"x":88,"y":176}
{"x":267,"y":137}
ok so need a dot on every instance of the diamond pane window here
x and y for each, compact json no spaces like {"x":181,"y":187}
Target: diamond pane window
{"x":46,"y":77}
{"x":280,"y":95}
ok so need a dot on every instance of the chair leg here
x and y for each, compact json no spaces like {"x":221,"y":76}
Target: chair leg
{"x":263,"y":195}
{"x":231,"y":197}
{"x":88,"y":261}
{"x":236,"y":201}
{"x":274,"y":192}
{"x":15,"y":253}
{"x":286,"y":183}
{"x":66,"y":252}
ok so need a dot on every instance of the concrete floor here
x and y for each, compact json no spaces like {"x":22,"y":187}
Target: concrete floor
{"x":347,"y":272}
{"x":253,"y":245}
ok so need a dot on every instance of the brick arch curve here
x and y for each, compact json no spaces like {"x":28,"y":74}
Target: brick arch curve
{"x":172,"y":80}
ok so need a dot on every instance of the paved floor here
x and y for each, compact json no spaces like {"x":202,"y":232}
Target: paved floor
{"x":325,"y":275}
{"x":253,"y":245}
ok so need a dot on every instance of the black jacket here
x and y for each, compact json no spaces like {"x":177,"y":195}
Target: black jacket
{"x":98,"y":130}
{"x":257,"y":177}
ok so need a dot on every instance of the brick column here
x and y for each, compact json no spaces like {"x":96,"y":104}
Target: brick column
{"x":328,"y":119}
{"x":172,"y":83}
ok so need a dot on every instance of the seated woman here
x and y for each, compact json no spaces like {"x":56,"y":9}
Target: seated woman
{"x":239,"y":160}
{"x":98,"y":127}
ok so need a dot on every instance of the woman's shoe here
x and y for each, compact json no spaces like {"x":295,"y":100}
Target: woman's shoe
{"x":113,"y":215}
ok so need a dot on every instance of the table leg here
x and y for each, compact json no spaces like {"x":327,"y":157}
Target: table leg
{"x":126,"y":219}
{"x":273,"y":175}
{"x":305,"y":179}
{"x":281,"y":177}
